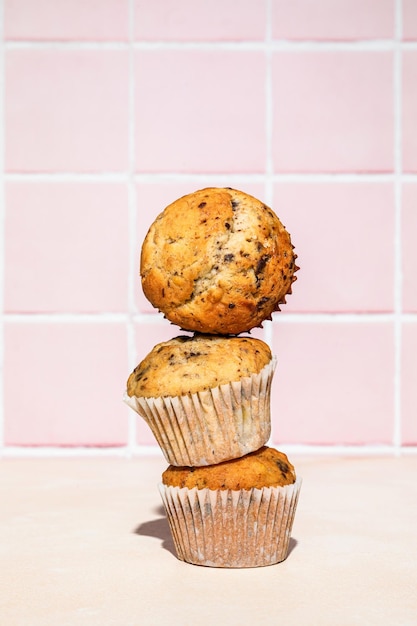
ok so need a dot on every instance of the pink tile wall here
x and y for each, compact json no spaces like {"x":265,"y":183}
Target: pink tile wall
{"x":352,"y":268}
{"x":62,"y":383}
{"x":66,"y":110}
{"x":409,"y":256}
{"x":409,"y":16}
{"x":60,"y":20}
{"x":408,"y":383}
{"x":198,"y":20}
{"x":333,"y":20}
{"x":66,"y":247}
{"x":191,"y":95}
{"x":113,"y":109}
{"x":409,"y":107}
{"x":348,"y":123}
{"x":343,"y":394}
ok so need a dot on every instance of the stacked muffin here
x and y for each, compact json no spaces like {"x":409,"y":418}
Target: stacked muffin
{"x":217,"y":262}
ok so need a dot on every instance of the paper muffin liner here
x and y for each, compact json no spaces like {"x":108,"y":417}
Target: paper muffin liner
{"x":225,"y":528}
{"x":214,"y":425}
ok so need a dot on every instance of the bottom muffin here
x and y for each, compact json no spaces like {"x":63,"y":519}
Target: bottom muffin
{"x":234,"y":514}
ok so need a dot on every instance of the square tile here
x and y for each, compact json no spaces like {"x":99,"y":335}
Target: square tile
{"x":409,"y":20}
{"x":64,"y":384}
{"x":198,"y":20}
{"x":343,"y":235}
{"x":152,"y":198}
{"x":67,"y":247}
{"x":198,"y":112}
{"x":66,"y":110}
{"x":332,"y":111}
{"x":409,"y":110}
{"x":408,"y":384}
{"x":334,"y":383}
{"x":333,"y":20}
{"x":409,"y":251}
{"x":60,"y":20}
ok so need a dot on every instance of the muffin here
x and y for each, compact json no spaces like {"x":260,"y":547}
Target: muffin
{"x":238,"y":513}
{"x":217,"y":261}
{"x":265,"y":467}
{"x":206,"y":398}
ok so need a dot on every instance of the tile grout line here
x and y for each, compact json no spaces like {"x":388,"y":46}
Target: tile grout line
{"x":397,"y":106}
{"x":269,"y":107}
{"x":139,"y":451}
{"x":169,"y":177}
{"x":132,"y":222}
{"x":284,"y":45}
{"x":2,"y":220}
{"x":269,"y":165}
{"x":154,"y":317}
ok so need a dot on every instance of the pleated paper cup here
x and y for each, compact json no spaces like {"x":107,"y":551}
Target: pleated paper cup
{"x":214,"y":425}
{"x":225,"y":528}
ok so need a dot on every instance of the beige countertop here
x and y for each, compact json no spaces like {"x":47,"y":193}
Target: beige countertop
{"x":84,"y":541}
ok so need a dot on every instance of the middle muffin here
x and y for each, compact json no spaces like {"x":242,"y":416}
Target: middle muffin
{"x":206,"y":398}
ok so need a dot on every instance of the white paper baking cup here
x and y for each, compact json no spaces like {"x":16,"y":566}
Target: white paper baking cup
{"x":225,"y":528}
{"x":214,"y":425}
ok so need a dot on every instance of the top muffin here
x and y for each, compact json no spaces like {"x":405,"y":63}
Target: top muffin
{"x":217,"y":261}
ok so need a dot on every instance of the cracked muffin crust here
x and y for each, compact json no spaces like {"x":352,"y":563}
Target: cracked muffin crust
{"x":186,"y":365}
{"x":266,"y":467}
{"x":217,"y":261}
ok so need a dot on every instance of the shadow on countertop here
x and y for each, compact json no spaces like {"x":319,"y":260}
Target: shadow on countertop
{"x":158,"y":528}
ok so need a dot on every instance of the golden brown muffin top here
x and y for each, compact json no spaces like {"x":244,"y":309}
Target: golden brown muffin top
{"x":266,"y":467}
{"x":217,"y":261}
{"x":190,"y":364}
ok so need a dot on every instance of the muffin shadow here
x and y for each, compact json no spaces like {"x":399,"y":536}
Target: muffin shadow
{"x":158,"y":528}
{"x":291,"y":546}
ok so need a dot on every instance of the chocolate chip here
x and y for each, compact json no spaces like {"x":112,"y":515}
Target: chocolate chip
{"x":202,"y":205}
{"x":261,"y":263}
{"x":261,"y":303}
{"x":228,"y":257}
{"x":283,"y":467}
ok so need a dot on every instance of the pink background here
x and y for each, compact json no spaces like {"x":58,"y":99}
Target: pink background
{"x":113,"y":109}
